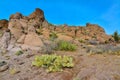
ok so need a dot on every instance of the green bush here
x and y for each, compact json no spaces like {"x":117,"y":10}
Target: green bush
{"x":53,"y":63}
{"x":66,"y":46}
{"x":116,"y":36}
{"x":19,"y":52}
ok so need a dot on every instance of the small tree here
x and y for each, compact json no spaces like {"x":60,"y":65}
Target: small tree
{"x":116,"y":36}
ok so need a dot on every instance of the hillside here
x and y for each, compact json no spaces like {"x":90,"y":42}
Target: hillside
{"x":95,"y":54}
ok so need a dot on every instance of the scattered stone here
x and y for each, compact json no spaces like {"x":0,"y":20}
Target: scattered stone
{"x":29,"y":55}
{"x":21,"y":63}
{"x":4,"y":68}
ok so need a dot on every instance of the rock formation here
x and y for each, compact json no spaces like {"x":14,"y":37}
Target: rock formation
{"x":27,"y":30}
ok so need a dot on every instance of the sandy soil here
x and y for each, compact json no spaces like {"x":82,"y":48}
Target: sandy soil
{"x":87,"y":67}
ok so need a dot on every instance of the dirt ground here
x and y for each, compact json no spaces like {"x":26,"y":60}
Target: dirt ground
{"x":87,"y":67}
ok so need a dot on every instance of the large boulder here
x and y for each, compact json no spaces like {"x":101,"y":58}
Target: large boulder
{"x":32,"y":39}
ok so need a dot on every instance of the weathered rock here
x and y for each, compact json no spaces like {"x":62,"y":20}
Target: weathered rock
{"x":45,"y":24}
{"x":3,"y":24}
{"x":37,"y":15}
{"x":21,"y":39}
{"x":31,"y":28}
{"x":26,"y":47}
{"x":16,"y":28}
{"x":16,"y":16}
{"x":15,"y":49}
{"x":45,"y":33}
{"x":5,"y":40}
{"x":4,"y":68}
{"x":64,"y":37}
{"x":32,"y":39}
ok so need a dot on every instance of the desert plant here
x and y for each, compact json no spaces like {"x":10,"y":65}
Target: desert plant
{"x":116,"y":36}
{"x":81,"y":41}
{"x":107,"y":49}
{"x":53,"y":62}
{"x":66,"y":46}
{"x":53,"y":36}
{"x":19,"y":52}
{"x":39,"y":31}
{"x":13,"y":71}
{"x":76,"y":30}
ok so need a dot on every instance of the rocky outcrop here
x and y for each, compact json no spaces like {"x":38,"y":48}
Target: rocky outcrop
{"x":88,"y":32}
{"x":24,"y":28}
{"x":3,"y":24}
{"x":27,"y":30}
{"x":37,"y":15}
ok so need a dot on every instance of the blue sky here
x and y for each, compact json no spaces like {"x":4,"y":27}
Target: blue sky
{"x":106,"y":13}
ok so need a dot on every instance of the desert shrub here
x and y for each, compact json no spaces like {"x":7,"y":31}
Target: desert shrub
{"x":13,"y":71}
{"x":53,"y":63}
{"x":106,"y":41}
{"x":53,"y":36}
{"x":116,"y":36}
{"x":19,"y":53}
{"x":39,"y":31}
{"x":107,"y":49}
{"x":66,"y":46}
{"x":49,"y":48}
{"x":81,"y":41}
{"x":93,"y":42}
{"x":76,"y":30}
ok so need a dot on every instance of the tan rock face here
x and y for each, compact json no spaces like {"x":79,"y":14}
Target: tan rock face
{"x":33,"y":39}
{"x":64,"y":37}
{"x":21,"y":39}
{"x":16,"y":16}
{"x":16,"y":28}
